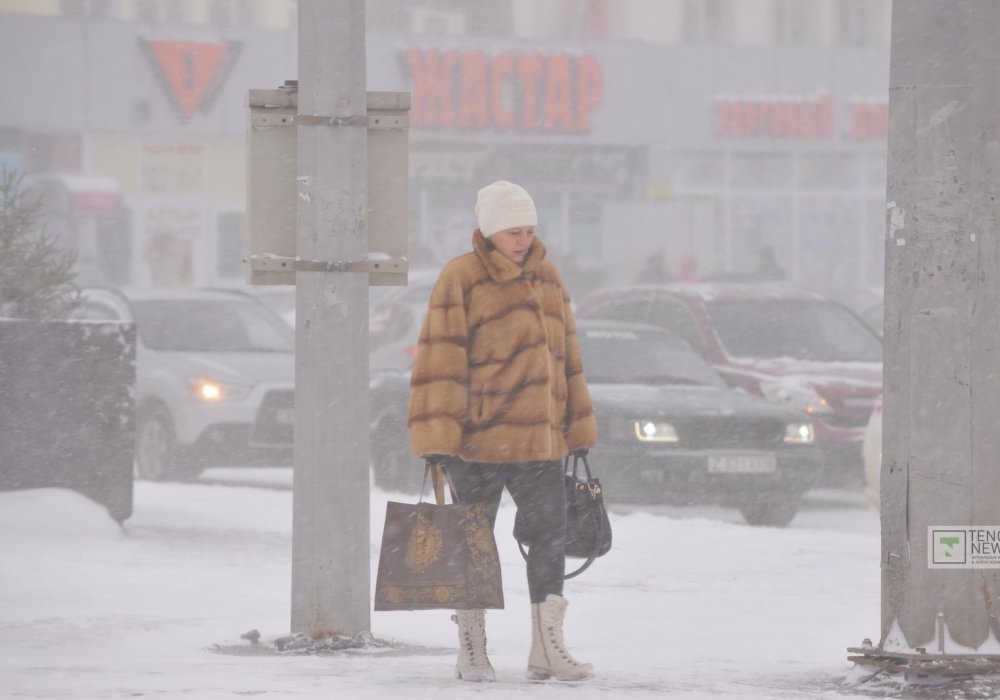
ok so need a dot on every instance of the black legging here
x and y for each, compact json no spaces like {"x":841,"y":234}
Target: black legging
{"x":538,"y":491}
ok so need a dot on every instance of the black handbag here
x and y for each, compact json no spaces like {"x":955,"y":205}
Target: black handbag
{"x":588,"y":529}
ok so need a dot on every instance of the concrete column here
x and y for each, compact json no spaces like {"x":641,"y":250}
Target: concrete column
{"x":331,"y":539}
{"x":941,"y":446}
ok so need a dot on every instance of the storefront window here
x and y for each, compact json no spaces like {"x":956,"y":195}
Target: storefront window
{"x":762,"y":170}
{"x":830,"y":171}
{"x":604,"y":167}
{"x":172,"y":167}
{"x":585,"y":227}
{"x":696,"y":170}
{"x":759,"y":224}
{"x":828,"y":242}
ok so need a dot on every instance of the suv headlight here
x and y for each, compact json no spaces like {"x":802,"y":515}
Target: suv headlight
{"x":654,"y":431}
{"x":796,"y":396}
{"x":800,"y":434}
{"x":212,"y":391}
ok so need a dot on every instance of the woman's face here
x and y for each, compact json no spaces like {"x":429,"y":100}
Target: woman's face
{"x":514,"y":242}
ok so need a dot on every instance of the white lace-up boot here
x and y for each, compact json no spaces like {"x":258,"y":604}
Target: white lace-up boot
{"x":472,"y":664}
{"x":548,"y":651}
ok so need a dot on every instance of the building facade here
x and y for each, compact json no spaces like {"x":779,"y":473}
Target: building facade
{"x":702,"y":129}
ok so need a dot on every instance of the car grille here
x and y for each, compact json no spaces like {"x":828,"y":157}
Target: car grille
{"x":727,"y":432}
{"x":852,"y":412}
{"x":275,"y":419}
{"x":840,"y":420}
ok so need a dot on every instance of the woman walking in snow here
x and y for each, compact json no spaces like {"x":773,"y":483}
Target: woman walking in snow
{"x":498,"y":397}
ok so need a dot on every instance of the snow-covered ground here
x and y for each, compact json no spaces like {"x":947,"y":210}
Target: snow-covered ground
{"x":686,"y":605}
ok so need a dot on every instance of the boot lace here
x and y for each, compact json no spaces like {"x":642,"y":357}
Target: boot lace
{"x":474,"y":640}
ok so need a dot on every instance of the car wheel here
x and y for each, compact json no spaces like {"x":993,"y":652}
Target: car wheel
{"x":393,"y":467}
{"x":156,"y":450}
{"x":771,"y":510}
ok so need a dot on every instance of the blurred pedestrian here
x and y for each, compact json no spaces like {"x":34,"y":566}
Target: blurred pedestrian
{"x":498,"y":397}
{"x":688,"y":269}
{"x":654,"y":270}
{"x":767,"y":267}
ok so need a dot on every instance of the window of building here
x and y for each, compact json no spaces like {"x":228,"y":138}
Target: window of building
{"x":762,"y":170}
{"x":72,"y":8}
{"x":829,"y":230}
{"x":587,"y":19}
{"x":220,"y":12}
{"x":696,"y":170}
{"x":433,"y":22}
{"x":245,"y":12}
{"x":100,"y":9}
{"x":858,"y":22}
{"x":147,"y":10}
{"x":759,"y":223}
{"x":93,"y":9}
{"x":585,"y":226}
{"x":173,"y":12}
{"x":707,"y":21}
{"x":830,"y":171}
{"x":795,"y":22}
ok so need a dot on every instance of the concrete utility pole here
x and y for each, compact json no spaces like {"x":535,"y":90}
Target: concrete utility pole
{"x":331,"y":540}
{"x":940,"y":479}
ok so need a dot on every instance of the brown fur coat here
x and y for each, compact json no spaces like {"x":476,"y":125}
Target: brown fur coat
{"x":498,"y":375}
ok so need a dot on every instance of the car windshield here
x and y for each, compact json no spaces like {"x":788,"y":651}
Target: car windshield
{"x":629,"y":357}
{"x":188,"y":325}
{"x":803,"y":330}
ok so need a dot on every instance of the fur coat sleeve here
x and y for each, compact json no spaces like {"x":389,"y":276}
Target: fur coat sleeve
{"x":440,"y":379}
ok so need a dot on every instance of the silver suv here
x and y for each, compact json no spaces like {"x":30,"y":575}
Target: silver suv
{"x":214,"y":378}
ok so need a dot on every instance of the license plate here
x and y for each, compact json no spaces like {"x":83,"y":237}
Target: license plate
{"x":742,"y":464}
{"x":284,"y":416}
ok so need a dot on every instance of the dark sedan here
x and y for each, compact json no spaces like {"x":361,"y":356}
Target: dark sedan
{"x":791,"y":346}
{"x":670,"y":430}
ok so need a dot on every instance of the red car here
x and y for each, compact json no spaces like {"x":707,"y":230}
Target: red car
{"x":786,"y":344}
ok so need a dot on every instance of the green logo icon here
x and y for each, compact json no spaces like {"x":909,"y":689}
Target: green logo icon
{"x":950,"y":543}
{"x":946,"y":547}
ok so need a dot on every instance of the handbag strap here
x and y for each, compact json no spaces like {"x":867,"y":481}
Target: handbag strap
{"x":577,"y":458}
{"x":439,"y":475}
{"x":580,"y":570}
{"x":593,"y":554}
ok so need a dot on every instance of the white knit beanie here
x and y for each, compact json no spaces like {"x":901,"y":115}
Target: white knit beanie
{"x":503,"y":205}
